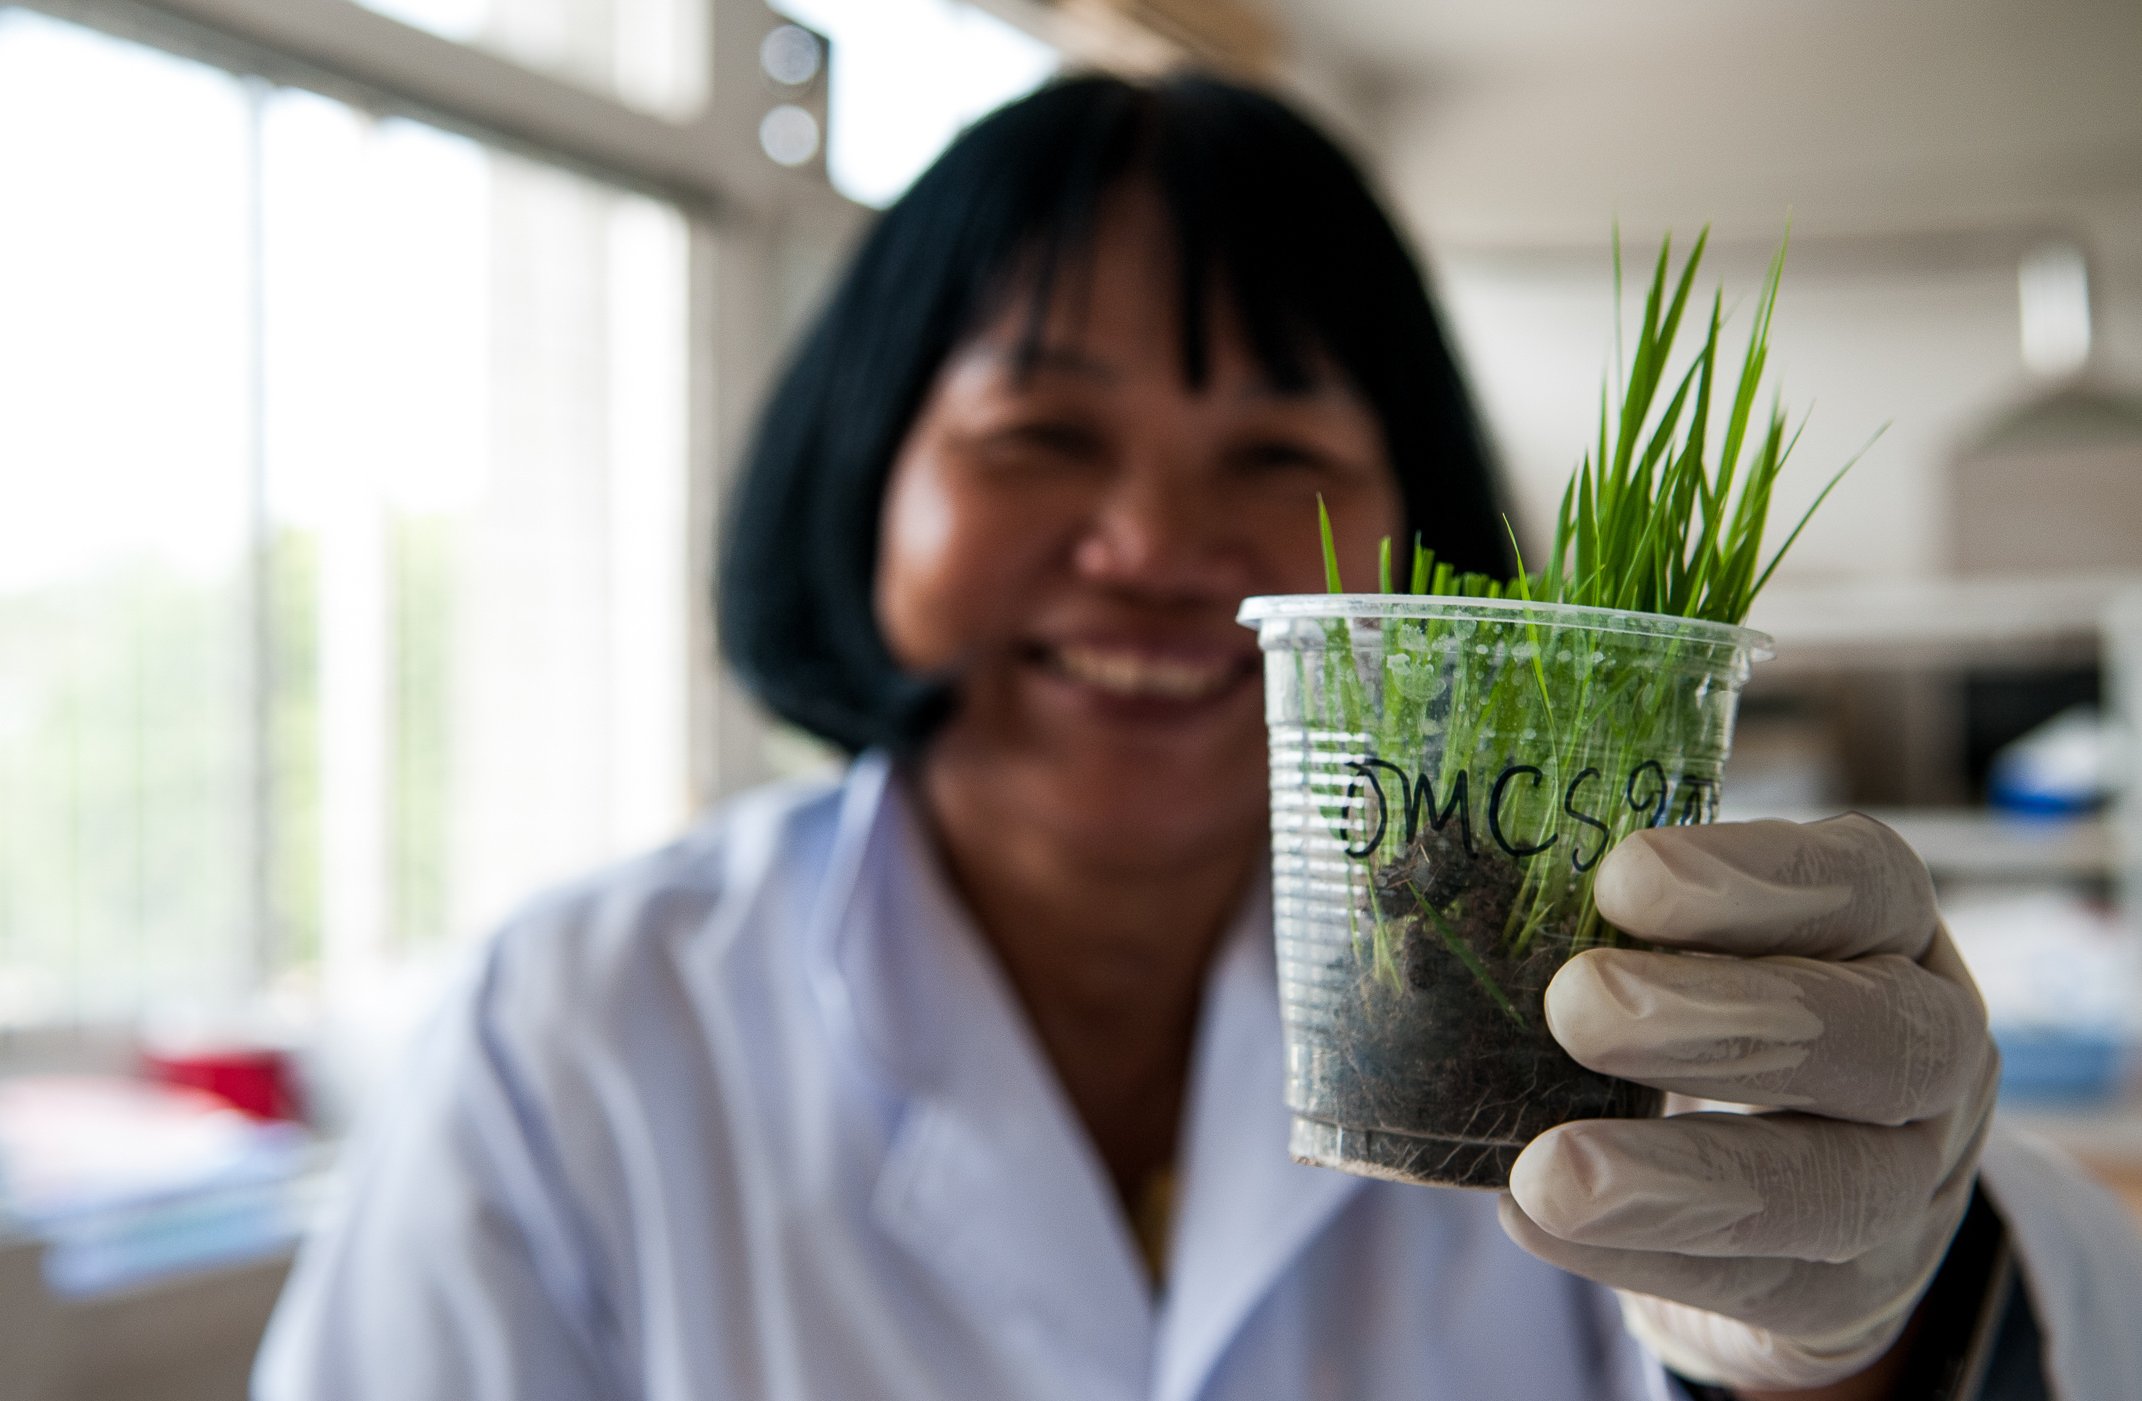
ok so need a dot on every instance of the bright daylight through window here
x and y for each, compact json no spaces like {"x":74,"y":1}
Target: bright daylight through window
{"x":342,"y":544}
{"x":906,"y":76}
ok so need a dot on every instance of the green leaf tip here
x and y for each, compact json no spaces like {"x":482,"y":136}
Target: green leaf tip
{"x":1331,"y":551}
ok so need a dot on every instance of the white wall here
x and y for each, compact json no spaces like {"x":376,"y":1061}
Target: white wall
{"x":1918,"y":150}
{"x":1923,"y":351}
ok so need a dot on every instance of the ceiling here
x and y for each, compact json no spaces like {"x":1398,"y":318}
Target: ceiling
{"x":1521,"y":119}
{"x":1416,"y":38}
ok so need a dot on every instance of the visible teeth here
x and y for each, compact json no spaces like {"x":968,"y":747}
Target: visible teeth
{"x":1142,"y":674}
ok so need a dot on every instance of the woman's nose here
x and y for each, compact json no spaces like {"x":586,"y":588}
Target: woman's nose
{"x":1153,"y":533}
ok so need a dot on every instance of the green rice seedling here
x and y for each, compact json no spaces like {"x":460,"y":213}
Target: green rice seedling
{"x":1450,"y":765}
{"x":1665,"y":515}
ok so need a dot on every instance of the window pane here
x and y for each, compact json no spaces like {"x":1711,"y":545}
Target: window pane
{"x":342,"y":556}
{"x":650,"y":53}
{"x":125,"y":451}
{"x":906,"y":76}
{"x":475,"y":449}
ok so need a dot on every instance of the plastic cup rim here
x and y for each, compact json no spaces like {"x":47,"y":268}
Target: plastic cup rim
{"x":1346,"y":606}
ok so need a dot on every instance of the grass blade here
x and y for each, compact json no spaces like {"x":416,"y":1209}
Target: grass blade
{"x":1808,"y":514}
{"x":1331,"y":551}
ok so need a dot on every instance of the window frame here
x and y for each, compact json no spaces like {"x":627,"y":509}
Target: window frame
{"x":381,"y":65}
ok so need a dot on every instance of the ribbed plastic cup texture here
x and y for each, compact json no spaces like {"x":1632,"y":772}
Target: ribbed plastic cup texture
{"x":1446,"y":776}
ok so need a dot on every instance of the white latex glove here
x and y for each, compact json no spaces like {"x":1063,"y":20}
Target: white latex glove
{"x":1783,"y":1250}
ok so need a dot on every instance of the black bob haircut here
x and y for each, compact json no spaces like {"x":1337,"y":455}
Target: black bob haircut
{"x":1267,"y":213}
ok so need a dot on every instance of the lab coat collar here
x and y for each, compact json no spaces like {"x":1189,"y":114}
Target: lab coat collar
{"x":991,"y":1182}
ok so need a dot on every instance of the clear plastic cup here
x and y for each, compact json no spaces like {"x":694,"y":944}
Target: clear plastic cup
{"x":1446,"y":775}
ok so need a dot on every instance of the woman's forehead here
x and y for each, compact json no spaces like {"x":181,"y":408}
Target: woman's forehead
{"x":1119,"y":332}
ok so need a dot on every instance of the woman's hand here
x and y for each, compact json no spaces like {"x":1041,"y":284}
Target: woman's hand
{"x":1784,"y":1250}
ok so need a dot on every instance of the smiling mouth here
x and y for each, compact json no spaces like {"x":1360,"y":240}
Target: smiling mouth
{"x":1140,"y":675}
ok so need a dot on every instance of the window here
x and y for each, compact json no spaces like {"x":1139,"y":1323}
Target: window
{"x":906,"y":76}
{"x":343,"y":584}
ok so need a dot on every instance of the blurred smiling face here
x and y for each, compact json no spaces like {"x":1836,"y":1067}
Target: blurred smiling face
{"x":1067,"y":538}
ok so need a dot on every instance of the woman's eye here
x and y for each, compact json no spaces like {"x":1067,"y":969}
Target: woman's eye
{"x":1281,"y":455}
{"x":1061,"y":442}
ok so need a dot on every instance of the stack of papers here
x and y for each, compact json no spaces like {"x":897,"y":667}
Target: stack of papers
{"x":126,"y":1181}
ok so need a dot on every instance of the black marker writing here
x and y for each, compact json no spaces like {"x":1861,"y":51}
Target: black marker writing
{"x":1494,"y":813}
{"x":1577,"y":858}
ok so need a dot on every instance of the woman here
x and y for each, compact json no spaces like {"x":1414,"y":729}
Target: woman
{"x":960,"y":1077}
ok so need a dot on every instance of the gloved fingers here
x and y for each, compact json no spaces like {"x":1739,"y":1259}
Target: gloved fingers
{"x":1709,"y":1347}
{"x":1879,"y":1039}
{"x":1798,"y":1298}
{"x":1785,"y":1186}
{"x":1841,"y":888}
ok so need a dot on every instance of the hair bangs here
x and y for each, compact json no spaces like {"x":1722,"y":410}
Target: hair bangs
{"x":1228,"y":237}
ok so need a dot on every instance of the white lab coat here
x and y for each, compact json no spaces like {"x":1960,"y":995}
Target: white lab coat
{"x":757,"y":1117}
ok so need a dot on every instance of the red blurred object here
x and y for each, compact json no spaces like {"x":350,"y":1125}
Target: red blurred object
{"x":256,"y":1080}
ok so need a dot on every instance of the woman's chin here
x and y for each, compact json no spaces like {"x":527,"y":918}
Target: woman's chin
{"x":1126,"y":782}
{"x":1136,"y":822}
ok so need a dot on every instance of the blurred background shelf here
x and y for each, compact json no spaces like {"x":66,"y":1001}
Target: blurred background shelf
{"x":1986,"y":845}
{"x":1976,"y":844}
{"x":2007,"y":619}
{"x":1898,"y":697}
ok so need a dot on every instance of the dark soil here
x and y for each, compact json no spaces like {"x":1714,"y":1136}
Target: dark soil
{"x":1436,"y":1081}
